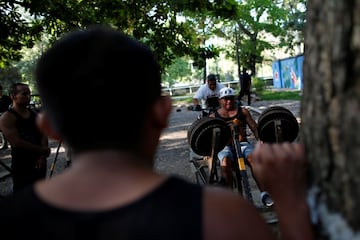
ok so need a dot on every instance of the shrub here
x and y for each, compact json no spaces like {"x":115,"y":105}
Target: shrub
{"x":258,"y":85}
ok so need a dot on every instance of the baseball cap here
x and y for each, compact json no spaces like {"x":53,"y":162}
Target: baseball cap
{"x":226,"y":92}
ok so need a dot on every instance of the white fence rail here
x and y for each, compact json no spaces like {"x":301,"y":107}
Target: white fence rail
{"x":191,"y":89}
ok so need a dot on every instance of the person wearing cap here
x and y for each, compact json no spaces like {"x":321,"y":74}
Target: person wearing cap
{"x":232,"y":113}
{"x":208,"y":92}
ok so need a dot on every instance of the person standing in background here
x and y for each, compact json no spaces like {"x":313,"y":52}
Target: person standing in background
{"x":29,"y":147}
{"x":245,"y":86}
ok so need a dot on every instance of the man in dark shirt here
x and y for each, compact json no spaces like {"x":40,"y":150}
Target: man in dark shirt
{"x":245,"y":86}
{"x":29,"y":147}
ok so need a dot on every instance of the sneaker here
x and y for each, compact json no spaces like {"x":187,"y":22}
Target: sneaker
{"x":266,"y":199}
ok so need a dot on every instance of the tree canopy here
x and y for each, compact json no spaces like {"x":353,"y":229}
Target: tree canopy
{"x":152,"y":22}
{"x":171,"y":28}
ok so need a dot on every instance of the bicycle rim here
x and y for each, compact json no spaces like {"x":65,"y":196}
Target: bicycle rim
{"x":2,"y":140}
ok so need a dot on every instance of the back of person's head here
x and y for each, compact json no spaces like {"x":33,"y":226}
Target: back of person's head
{"x":96,"y":86}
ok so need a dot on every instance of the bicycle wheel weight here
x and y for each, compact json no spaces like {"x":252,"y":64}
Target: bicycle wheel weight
{"x":277,"y":124}
{"x":200,"y":135}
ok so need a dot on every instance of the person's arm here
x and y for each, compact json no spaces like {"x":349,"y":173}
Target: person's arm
{"x":11,"y":133}
{"x":227,"y":215}
{"x":195,"y":101}
{"x":41,"y":162}
{"x":251,"y":122}
{"x":197,"y":98}
{"x":281,"y":170}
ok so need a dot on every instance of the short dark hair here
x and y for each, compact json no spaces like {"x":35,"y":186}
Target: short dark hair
{"x":85,"y":80}
{"x":211,"y":77}
{"x":13,"y":88}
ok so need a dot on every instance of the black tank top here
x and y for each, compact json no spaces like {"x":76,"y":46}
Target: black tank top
{"x":28,"y":132}
{"x":171,"y":211}
{"x":239,"y":116}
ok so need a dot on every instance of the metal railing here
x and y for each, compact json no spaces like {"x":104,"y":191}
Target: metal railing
{"x":191,"y":89}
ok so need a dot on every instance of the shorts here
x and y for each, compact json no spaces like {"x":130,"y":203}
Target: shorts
{"x":229,"y":151}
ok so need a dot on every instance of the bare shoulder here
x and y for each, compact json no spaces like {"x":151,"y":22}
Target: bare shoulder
{"x":6,"y":117}
{"x":246,"y":112}
{"x":229,"y":216}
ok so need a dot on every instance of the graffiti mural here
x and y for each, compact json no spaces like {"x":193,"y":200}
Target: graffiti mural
{"x":287,"y":73}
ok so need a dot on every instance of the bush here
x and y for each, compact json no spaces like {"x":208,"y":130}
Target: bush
{"x":258,"y":85}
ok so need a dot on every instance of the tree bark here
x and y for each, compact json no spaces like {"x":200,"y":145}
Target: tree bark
{"x":330,"y":115}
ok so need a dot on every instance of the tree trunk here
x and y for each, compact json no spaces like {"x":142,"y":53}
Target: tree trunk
{"x":237,"y":44}
{"x":330,"y":115}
